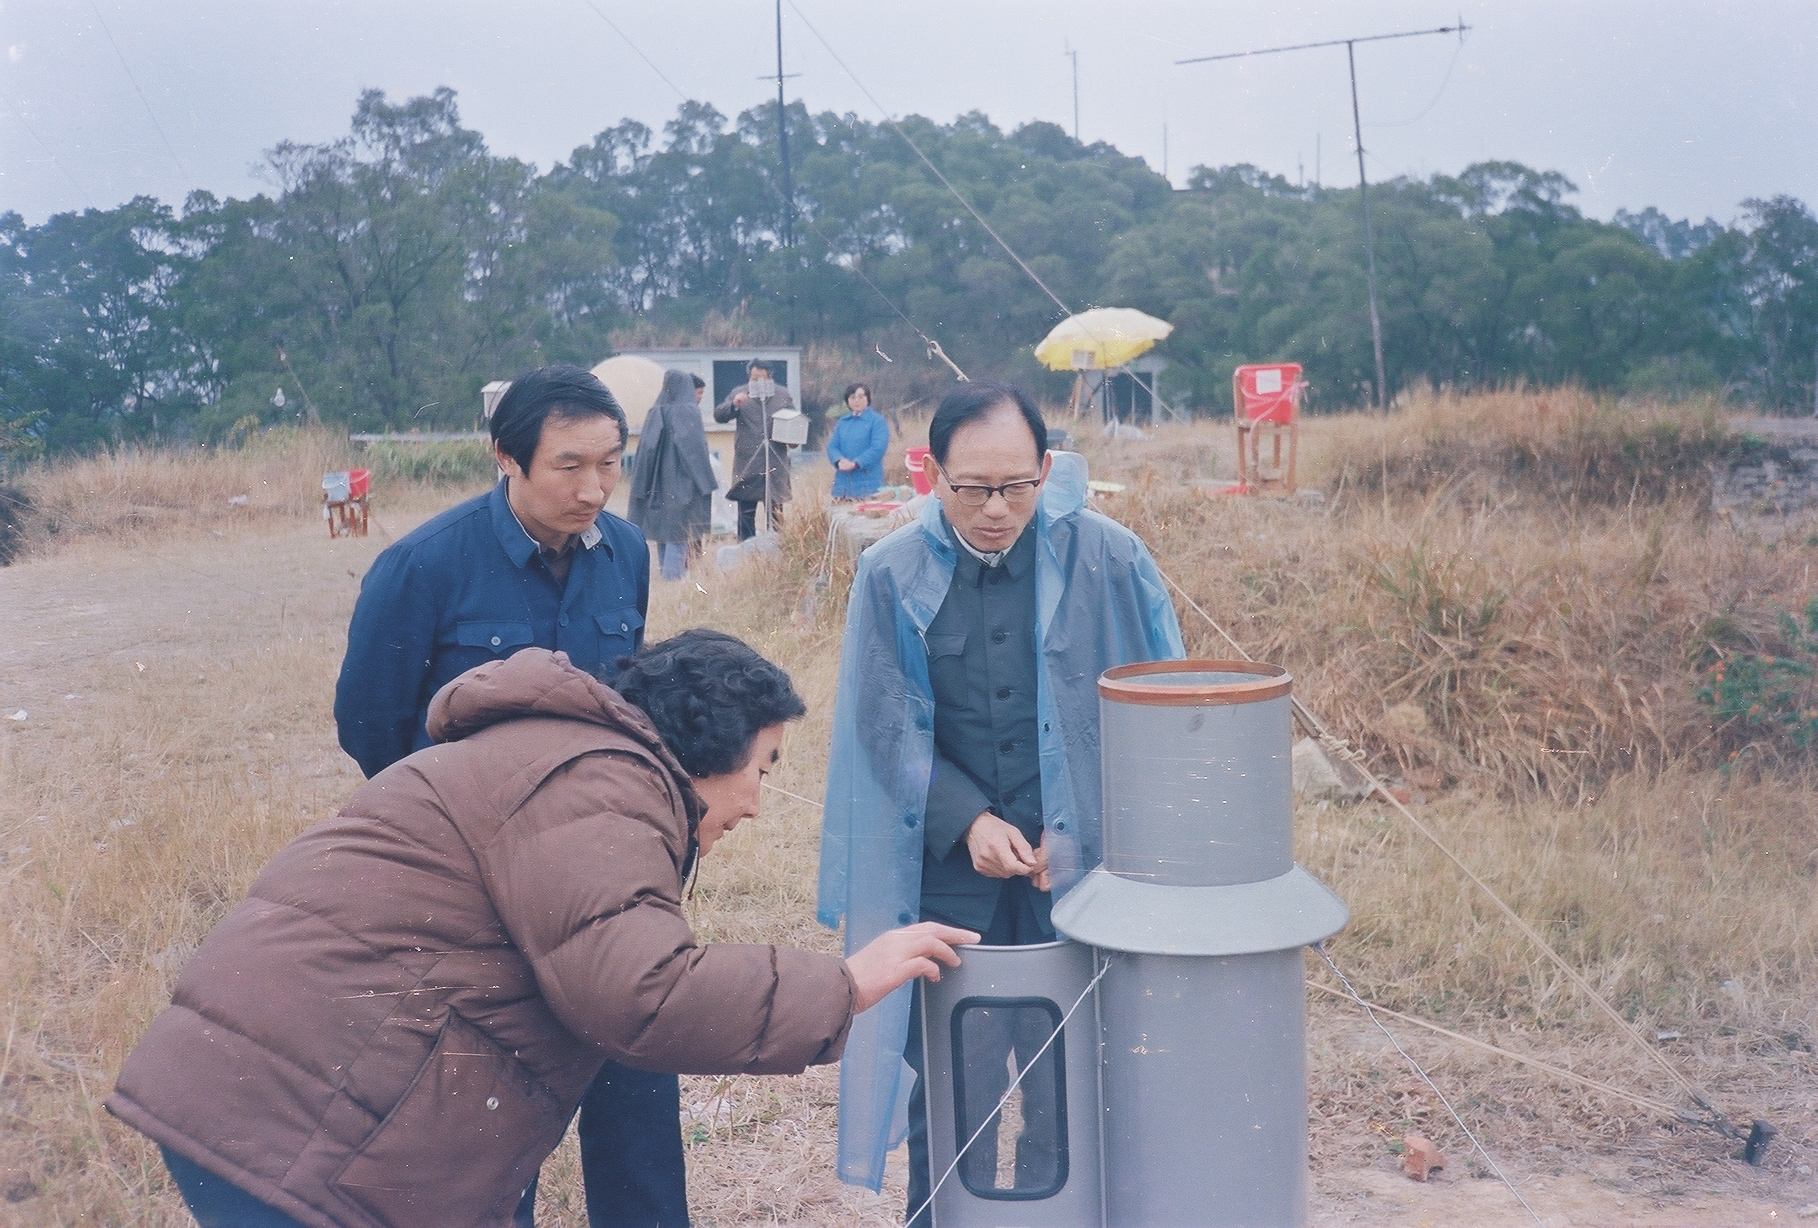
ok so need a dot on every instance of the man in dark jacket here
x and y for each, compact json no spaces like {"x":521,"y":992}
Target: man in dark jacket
{"x":538,"y":562}
{"x":760,"y":465}
{"x":395,"y":1028}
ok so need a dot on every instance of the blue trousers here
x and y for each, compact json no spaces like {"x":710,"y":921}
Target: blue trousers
{"x":631,"y":1152}
{"x":673,"y":558}
{"x":217,"y":1202}
{"x":631,"y":1163}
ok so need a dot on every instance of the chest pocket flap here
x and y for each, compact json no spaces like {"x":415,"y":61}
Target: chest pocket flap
{"x":623,"y":622}
{"x":946,"y":644}
{"x":500,"y":638}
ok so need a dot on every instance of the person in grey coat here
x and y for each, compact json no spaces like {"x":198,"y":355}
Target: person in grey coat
{"x":760,"y":470}
{"x":673,"y":480}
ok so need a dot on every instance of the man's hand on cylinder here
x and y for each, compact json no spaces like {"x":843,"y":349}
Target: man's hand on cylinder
{"x":897,"y":956}
{"x":999,"y":850}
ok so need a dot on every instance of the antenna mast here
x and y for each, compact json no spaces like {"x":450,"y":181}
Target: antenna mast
{"x":1363,"y":185}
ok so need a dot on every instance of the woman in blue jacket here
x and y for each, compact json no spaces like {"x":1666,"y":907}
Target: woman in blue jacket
{"x":857,"y":446}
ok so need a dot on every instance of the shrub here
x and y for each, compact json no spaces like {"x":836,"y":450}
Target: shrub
{"x":1769,"y":698}
{"x":454,"y":462}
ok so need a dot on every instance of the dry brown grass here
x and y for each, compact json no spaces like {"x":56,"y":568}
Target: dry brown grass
{"x":135,"y":495}
{"x":136,"y":810}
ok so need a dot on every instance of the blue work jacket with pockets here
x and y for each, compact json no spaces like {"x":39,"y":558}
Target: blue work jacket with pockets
{"x":469,"y":587}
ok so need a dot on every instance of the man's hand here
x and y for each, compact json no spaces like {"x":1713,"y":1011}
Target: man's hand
{"x":897,"y":956}
{"x":1040,"y":879}
{"x":847,"y":466}
{"x":739,"y":398}
{"x":999,"y":850}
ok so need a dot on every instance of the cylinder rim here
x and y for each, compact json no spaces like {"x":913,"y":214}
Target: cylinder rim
{"x":1123,"y":683}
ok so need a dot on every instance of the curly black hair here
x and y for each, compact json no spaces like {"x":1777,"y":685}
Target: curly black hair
{"x":708,"y":694}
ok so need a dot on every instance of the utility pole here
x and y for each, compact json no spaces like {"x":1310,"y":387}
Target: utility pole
{"x":1363,"y":186}
{"x":782,"y":136}
{"x":1363,"y":192}
{"x":1074,"y":56}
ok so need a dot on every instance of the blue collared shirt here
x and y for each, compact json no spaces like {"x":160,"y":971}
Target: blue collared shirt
{"x":466,"y":588}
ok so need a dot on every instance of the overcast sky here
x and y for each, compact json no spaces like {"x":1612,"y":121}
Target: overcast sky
{"x":1691,"y":107}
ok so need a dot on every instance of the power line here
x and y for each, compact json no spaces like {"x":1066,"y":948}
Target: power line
{"x":929,"y":163}
{"x":1437,"y":94}
{"x":171,"y":149}
{"x":19,"y":114}
{"x":934,"y":347}
{"x":640,"y":52}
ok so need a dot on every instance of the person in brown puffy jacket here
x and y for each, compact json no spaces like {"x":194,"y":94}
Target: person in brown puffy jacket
{"x":394,"y":1029}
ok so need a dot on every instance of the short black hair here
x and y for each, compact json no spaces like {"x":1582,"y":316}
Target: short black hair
{"x":757,"y":364}
{"x":971,"y":400}
{"x":560,"y":389}
{"x":709,"y":695}
{"x":859,"y":387}
{"x":698,"y":381}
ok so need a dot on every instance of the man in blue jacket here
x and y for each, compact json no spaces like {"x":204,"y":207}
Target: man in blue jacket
{"x":537,"y":561}
{"x":856,"y":446}
{"x":963,"y":782}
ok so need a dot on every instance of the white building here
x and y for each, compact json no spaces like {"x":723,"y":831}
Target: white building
{"x":723,"y":368}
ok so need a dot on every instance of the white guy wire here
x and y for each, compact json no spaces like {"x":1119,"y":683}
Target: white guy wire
{"x":1014,"y":1084}
{"x":1428,"y":1080}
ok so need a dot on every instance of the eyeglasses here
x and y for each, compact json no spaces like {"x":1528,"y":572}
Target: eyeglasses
{"x":1016,"y":494}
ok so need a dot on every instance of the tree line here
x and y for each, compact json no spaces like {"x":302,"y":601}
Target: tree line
{"x":390,"y":273}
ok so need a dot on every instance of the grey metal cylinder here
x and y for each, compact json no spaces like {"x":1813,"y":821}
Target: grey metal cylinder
{"x":1200,"y":913}
{"x":1197,"y":793}
{"x":1205,"y":1092}
{"x":1036,"y":1163}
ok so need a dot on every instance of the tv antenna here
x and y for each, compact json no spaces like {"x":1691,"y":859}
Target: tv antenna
{"x":1363,"y":184}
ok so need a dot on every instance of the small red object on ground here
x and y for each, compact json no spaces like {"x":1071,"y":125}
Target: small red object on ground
{"x":1420,"y":1157}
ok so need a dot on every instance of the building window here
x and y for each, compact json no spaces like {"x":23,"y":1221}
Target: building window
{"x":1022,"y":1151}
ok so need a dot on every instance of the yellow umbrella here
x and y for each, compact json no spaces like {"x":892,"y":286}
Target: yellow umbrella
{"x":1100,"y":339}
{"x":634,"y":383}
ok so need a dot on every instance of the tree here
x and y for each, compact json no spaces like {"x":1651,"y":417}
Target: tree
{"x":1778,"y":270}
{"x":91,"y":352}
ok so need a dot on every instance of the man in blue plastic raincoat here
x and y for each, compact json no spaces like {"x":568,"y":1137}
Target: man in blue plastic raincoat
{"x":963,"y":780}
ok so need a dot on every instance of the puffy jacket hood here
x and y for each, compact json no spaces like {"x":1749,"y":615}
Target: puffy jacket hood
{"x":534,"y":682}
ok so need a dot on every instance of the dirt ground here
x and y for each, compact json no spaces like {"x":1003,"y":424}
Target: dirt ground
{"x":97,"y":620}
